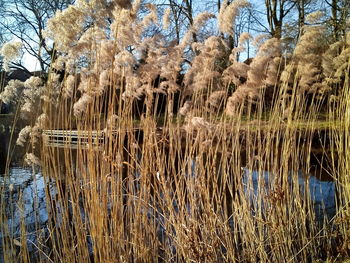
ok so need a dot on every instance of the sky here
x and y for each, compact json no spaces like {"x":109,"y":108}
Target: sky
{"x":30,"y":62}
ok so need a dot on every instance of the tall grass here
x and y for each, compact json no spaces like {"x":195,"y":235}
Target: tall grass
{"x":184,"y":191}
{"x":340,"y":158}
{"x":161,"y":186}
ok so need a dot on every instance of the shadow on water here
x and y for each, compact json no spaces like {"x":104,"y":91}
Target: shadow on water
{"x":3,"y":154}
{"x":16,"y":152}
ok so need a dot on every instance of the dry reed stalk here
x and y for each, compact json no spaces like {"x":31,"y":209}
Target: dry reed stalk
{"x":149,"y":200}
{"x":208,"y":188}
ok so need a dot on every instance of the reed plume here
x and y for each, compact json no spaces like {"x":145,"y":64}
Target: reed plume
{"x":181,"y":161}
{"x":258,"y":73}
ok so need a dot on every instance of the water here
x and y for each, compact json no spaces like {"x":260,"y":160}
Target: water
{"x":24,"y":200}
{"x":23,"y":195}
{"x":322,"y":193}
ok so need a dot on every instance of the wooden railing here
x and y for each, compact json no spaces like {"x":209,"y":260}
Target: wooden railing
{"x":73,"y":138}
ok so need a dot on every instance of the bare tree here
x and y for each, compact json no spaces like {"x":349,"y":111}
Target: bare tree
{"x":26,"y":21}
{"x":340,"y":12}
{"x":177,"y":13}
{"x":183,"y":14}
{"x":303,"y":8}
{"x":276,"y":11}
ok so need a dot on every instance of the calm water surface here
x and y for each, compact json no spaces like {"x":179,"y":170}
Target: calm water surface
{"x":24,"y":200}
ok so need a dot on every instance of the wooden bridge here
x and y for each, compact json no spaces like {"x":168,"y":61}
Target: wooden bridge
{"x":73,"y":139}
{"x":82,"y":139}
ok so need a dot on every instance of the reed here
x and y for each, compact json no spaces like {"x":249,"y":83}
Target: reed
{"x":208,"y":168}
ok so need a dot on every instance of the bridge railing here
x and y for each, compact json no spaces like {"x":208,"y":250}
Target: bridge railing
{"x":73,"y":138}
{"x":86,"y":139}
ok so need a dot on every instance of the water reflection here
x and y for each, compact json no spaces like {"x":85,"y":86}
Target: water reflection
{"x":23,"y":194}
{"x":23,"y":197}
{"x":322,"y":193}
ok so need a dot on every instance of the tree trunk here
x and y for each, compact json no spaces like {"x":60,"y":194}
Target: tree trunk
{"x":335,"y":20}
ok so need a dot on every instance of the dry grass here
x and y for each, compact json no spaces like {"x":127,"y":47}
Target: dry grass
{"x":182,"y":189}
{"x":179,"y":193}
